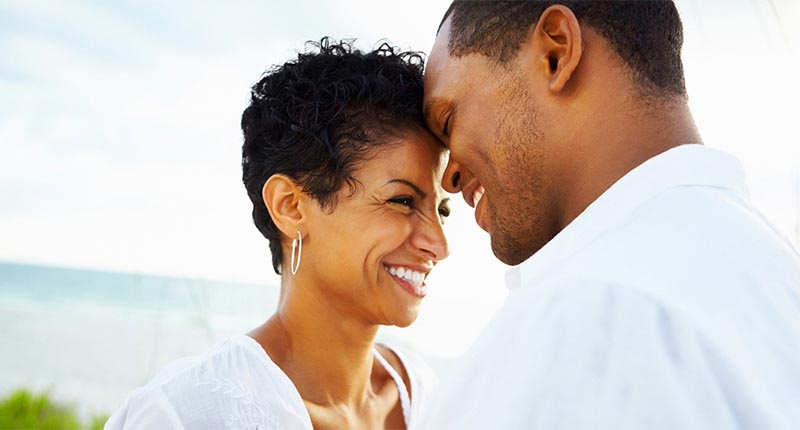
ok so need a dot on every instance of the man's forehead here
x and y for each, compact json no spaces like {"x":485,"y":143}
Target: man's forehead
{"x":436,"y":72}
{"x":440,"y":45}
{"x":439,"y":52}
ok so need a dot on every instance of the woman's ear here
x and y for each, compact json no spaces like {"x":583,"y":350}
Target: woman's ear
{"x":558,"y":42}
{"x":285,"y":201}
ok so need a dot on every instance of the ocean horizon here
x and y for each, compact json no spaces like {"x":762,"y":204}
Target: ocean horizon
{"x":54,"y":286}
{"x":90,"y":337}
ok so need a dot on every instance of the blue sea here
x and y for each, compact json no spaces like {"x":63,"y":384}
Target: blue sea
{"x":59,"y":287}
{"x":92,"y":337}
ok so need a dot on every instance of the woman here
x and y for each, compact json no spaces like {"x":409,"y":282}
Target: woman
{"x":344,"y":179}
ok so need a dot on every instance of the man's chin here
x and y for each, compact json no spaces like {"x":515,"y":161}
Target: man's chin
{"x":509,"y":252}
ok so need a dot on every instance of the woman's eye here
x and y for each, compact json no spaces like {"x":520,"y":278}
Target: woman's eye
{"x":403,"y":200}
{"x":446,"y":127}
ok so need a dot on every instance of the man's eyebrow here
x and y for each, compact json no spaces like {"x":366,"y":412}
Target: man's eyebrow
{"x":429,"y":121}
{"x":426,"y":110}
{"x":445,"y":200}
{"x":416,"y":189}
{"x":429,"y":106}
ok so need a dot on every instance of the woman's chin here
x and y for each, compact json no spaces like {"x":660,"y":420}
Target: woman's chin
{"x":403,"y":318}
{"x":405,"y":323}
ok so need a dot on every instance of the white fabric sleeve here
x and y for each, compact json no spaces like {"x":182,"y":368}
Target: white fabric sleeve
{"x":589,"y":356}
{"x":147,"y":408}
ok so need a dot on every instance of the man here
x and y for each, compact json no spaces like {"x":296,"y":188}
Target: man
{"x":649,"y":292}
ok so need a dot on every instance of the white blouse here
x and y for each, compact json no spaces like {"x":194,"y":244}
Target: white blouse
{"x":236,"y":385}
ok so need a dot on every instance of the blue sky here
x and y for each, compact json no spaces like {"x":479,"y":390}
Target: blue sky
{"x":119,"y":126}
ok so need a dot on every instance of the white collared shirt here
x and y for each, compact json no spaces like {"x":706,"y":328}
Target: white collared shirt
{"x":669,"y":303}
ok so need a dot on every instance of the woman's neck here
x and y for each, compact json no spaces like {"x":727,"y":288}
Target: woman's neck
{"x":325,"y":351}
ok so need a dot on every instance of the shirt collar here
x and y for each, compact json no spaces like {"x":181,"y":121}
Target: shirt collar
{"x":685,"y":165}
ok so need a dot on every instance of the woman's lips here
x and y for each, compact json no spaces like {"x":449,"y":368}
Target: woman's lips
{"x":412,"y":281}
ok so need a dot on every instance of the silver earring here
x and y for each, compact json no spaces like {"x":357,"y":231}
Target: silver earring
{"x":297,"y":245}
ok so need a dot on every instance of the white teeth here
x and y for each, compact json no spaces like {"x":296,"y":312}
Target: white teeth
{"x":409,"y":275}
{"x":478,"y":195}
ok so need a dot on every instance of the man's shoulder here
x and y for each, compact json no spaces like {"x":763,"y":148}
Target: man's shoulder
{"x":701,"y":216}
{"x":695,"y":246}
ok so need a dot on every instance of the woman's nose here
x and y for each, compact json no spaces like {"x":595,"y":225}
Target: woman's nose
{"x":430,"y":239}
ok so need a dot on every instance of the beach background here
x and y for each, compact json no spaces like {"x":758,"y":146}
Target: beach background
{"x":125,"y":232}
{"x":90,"y":337}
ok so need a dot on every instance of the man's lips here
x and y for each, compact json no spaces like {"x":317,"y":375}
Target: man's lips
{"x":473,"y":192}
{"x":477,"y":195}
{"x":480,"y":216}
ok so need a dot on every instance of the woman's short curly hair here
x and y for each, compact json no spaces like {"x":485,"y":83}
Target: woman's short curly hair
{"x":315,"y":118}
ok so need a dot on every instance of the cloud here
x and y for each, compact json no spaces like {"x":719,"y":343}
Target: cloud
{"x":120,"y":121}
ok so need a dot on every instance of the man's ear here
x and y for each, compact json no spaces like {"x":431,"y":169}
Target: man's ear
{"x":285,"y":201}
{"x":559,"y":45}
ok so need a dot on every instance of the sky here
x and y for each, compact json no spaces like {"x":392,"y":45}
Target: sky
{"x":120,"y":139}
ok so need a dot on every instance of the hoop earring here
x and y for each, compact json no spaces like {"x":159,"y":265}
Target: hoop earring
{"x":297,"y":245}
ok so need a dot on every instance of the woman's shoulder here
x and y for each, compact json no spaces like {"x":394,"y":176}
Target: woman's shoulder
{"x":233,"y":385}
{"x":226,"y":360}
{"x":419,"y":377}
{"x":407,"y":362}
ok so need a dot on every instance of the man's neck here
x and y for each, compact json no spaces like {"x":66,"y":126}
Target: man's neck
{"x":630,"y":139}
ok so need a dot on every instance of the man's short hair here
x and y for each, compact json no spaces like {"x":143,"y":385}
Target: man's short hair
{"x":647,"y":34}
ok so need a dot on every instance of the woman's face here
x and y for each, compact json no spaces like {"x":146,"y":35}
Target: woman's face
{"x":370,"y":255}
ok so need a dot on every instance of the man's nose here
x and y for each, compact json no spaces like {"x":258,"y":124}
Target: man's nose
{"x":452,"y":179}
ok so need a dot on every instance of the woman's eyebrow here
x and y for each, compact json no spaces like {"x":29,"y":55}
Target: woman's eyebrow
{"x":416,"y":189}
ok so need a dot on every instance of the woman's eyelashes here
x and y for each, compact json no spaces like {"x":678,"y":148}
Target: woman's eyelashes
{"x":410,"y":203}
{"x":406,"y":201}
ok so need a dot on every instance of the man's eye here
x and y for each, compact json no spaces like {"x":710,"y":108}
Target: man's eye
{"x":403,"y":200}
{"x":444,"y":212}
{"x":446,"y":128}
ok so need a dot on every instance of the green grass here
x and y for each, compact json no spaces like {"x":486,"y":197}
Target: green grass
{"x":24,"y":410}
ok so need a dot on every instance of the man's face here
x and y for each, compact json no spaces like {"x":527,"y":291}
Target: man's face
{"x":486,"y":115}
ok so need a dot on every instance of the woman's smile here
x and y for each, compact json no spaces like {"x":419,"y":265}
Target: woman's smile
{"x":410,"y":279}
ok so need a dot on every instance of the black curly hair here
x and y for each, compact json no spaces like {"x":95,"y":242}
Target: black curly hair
{"x":315,"y":118}
{"x":647,"y":34}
